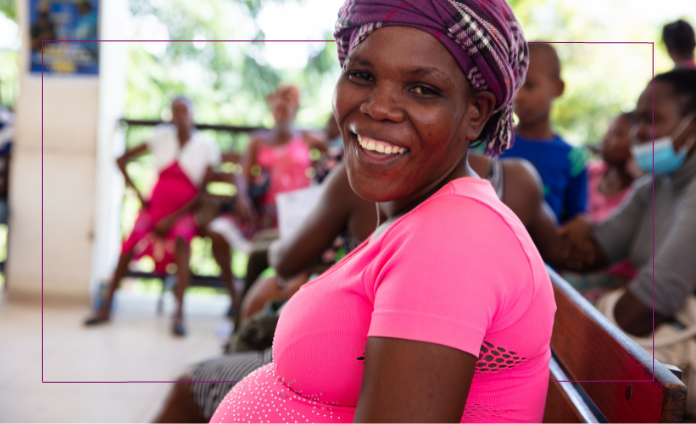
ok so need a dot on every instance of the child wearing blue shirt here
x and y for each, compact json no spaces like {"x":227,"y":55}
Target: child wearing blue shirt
{"x":560,"y":165}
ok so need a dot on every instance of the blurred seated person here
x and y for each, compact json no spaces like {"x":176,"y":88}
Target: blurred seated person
{"x":165,"y":224}
{"x":628,"y":234}
{"x":560,"y":165}
{"x":610,"y":179}
{"x":680,"y":41}
{"x":276,"y":161}
{"x":609,"y":184}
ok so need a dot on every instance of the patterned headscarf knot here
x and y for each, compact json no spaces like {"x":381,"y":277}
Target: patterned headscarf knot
{"x":483,"y":36}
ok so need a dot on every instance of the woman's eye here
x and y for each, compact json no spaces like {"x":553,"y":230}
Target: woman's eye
{"x":365,"y":76}
{"x":424,"y":91}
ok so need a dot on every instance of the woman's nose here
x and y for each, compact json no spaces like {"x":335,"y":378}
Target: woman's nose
{"x":641,"y":133}
{"x":383,"y":105}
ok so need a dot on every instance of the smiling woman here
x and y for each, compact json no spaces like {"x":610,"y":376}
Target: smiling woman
{"x":445,"y":313}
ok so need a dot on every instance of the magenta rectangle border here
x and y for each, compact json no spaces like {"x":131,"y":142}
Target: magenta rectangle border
{"x":325,"y":41}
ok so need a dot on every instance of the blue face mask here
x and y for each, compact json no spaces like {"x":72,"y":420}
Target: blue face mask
{"x":666,"y":159}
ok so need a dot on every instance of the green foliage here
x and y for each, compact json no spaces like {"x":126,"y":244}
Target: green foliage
{"x":602,"y":80}
{"x":9,"y":77}
{"x":9,"y":8}
{"x":9,"y":61}
{"x":230,"y":86}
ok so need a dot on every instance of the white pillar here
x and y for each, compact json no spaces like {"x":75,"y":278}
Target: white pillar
{"x":79,"y":119}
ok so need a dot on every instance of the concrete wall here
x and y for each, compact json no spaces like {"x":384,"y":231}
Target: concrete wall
{"x":79,"y":140}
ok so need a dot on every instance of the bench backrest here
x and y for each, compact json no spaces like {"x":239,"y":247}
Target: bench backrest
{"x":613,"y":370}
{"x":564,"y":404}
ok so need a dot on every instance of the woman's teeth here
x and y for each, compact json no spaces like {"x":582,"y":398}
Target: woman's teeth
{"x":379,"y":146}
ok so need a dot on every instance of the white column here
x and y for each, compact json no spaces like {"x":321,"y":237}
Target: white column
{"x":79,"y":118}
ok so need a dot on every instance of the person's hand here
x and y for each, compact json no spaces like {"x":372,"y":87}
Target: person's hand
{"x":281,"y":284}
{"x":577,"y":248}
{"x":245,"y":209}
{"x":163,"y":227}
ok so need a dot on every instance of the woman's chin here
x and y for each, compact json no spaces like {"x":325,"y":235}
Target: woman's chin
{"x":376,"y":191}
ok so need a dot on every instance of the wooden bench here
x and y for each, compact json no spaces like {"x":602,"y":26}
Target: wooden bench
{"x":614,"y":375}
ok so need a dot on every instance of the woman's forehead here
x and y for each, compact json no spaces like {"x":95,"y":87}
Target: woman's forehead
{"x":414,"y":52}
{"x":661,"y":95}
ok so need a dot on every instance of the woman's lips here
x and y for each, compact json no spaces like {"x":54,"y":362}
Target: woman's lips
{"x":378,"y":154}
{"x":379,"y":146}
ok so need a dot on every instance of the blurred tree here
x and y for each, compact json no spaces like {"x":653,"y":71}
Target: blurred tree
{"x":9,"y":66}
{"x":228,"y":81}
{"x":9,"y":8}
{"x":602,"y":80}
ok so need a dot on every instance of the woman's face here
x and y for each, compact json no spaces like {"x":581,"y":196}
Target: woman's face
{"x":182,"y":115}
{"x":668,"y":116}
{"x":616,"y":146}
{"x":404,"y":98}
{"x":283,"y":110}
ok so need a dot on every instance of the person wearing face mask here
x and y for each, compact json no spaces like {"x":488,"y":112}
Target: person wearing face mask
{"x":628,"y":234}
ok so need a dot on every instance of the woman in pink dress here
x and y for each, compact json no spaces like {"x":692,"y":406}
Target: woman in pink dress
{"x":165,"y":225}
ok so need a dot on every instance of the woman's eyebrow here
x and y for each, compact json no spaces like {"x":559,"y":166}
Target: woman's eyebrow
{"x":427,"y":71}
{"x":360,"y":61}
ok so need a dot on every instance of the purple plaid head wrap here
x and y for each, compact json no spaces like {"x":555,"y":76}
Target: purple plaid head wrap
{"x":483,"y":36}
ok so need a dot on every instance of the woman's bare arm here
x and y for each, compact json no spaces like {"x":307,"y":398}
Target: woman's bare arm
{"x":316,"y":140}
{"x":122,"y":162}
{"x":242,"y":181}
{"x":411,"y":381}
{"x":523,"y":194}
{"x":294,"y":254}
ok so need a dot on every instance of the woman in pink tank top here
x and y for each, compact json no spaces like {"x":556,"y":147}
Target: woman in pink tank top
{"x":445,"y":313}
{"x":277,"y":161}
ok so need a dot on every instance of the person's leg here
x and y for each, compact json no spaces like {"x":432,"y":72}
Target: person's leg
{"x":212,"y":380}
{"x":258,"y":262}
{"x":183,"y":273}
{"x":180,"y":406}
{"x":221,"y":253}
{"x":121,"y":268}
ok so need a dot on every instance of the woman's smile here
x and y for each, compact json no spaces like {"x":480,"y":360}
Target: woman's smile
{"x":376,"y":154}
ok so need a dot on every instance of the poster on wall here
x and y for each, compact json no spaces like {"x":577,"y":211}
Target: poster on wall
{"x":66,"y":22}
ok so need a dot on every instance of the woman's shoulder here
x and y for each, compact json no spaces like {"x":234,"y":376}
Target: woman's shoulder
{"x":642,"y":188}
{"x":163,"y":130}
{"x":463,"y":205}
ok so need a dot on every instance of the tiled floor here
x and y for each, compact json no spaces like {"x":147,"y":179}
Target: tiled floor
{"x":135,"y":346}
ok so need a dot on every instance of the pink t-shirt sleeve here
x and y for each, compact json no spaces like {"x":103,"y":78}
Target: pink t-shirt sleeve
{"x":449,"y":274}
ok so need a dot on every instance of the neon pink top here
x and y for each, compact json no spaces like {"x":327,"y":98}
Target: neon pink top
{"x":459,"y":270}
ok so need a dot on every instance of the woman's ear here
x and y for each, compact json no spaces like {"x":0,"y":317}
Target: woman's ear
{"x":481,"y":105}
